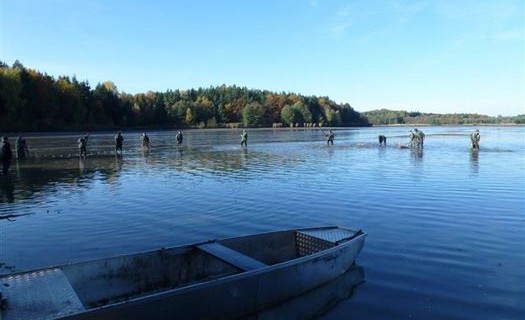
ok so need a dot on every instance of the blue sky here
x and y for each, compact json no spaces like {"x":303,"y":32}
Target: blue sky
{"x":442,"y":56}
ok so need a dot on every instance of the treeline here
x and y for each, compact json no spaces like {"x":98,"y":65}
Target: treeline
{"x":34,"y":101}
{"x":388,"y":117}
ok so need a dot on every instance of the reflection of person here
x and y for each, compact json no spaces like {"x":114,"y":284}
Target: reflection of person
{"x":475,"y":137}
{"x":145,"y":140}
{"x":7,"y":191}
{"x":7,"y":156}
{"x":81,"y":165}
{"x":119,"y":139}
{"x":179,"y":137}
{"x":244,"y":138}
{"x":474,"y":163}
{"x":382,"y":140}
{"x":21,"y":148}
{"x":417,"y":153}
{"x":330,"y":138}
{"x":82,"y":144}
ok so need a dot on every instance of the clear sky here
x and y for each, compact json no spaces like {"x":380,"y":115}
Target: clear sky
{"x":441,"y":56}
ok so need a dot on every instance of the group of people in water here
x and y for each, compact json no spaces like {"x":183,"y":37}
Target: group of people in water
{"x":119,"y":142}
{"x":6,"y":154}
{"x":146,"y":145}
{"x":416,"y":138}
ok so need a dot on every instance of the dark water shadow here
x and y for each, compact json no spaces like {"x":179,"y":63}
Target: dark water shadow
{"x":7,"y":189}
{"x":39,"y":178}
{"x":316,"y":302}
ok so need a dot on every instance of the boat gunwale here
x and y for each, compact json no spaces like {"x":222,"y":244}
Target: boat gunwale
{"x":338,"y":246}
{"x":241,"y":274}
{"x":182,"y":248}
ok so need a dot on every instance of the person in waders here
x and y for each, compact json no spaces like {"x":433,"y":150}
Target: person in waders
{"x":420,"y":137}
{"x":330,"y":138}
{"x":475,"y":137}
{"x":21,"y":148}
{"x":382,"y":140}
{"x":244,"y":138}
{"x":6,"y":156}
{"x":82,"y":146}
{"x":179,"y":137}
{"x":119,"y":139}
{"x":145,"y":141}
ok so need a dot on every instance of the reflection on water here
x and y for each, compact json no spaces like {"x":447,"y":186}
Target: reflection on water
{"x":7,"y":190}
{"x":37,"y":178}
{"x":417,"y":153}
{"x":317,"y":302}
{"x":439,"y":246}
{"x":474,"y":163}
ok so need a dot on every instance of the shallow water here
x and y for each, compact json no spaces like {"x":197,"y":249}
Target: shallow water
{"x":446,"y":226}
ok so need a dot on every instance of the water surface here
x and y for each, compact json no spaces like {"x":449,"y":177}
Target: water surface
{"x":446,"y":226}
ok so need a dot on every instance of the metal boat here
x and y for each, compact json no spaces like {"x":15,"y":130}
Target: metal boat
{"x":216,"y":279}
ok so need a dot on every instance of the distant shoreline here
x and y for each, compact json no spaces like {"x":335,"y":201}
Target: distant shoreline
{"x":451,"y":125}
{"x":12,"y":135}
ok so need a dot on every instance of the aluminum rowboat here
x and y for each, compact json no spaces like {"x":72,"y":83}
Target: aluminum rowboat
{"x":216,"y":279}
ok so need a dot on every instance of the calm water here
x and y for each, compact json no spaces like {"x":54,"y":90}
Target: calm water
{"x":446,"y":226}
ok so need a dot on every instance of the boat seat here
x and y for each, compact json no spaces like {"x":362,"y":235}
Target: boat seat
{"x":43,"y":294}
{"x":231,"y":256}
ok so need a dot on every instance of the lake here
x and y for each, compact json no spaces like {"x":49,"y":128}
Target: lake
{"x":446,"y":226}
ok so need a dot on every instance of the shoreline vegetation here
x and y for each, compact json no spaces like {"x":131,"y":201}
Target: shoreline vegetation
{"x":393,"y":117}
{"x":32,"y":101}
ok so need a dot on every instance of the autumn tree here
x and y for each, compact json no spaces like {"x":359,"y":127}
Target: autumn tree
{"x":31,"y":101}
{"x":253,"y":115}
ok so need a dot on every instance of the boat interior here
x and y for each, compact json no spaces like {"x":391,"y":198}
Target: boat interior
{"x":100,"y":282}
{"x":92,"y":284}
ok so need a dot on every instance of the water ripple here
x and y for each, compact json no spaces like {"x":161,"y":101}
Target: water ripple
{"x":445,"y":225}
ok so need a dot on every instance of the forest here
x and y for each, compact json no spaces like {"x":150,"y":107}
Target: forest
{"x":393,"y":117}
{"x":31,"y":100}
{"x":34,"y":101}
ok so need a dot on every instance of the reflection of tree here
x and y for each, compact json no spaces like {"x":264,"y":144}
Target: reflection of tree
{"x":38,"y":177}
{"x":205,"y":161}
{"x":116,"y":166}
{"x":44,"y":176}
{"x":222,"y":162}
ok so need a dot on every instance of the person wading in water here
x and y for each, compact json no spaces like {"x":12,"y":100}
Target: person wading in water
{"x":244,"y":138}
{"x":179,"y":137}
{"x":82,"y":146}
{"x":382,"y":140}
{"x":119,"y":139}
{"x":330,"y":138}
{"x":21,"y":148}
{"x":145,"y":141}
{"x":6,"y":156}
{"x":475,"y":137}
